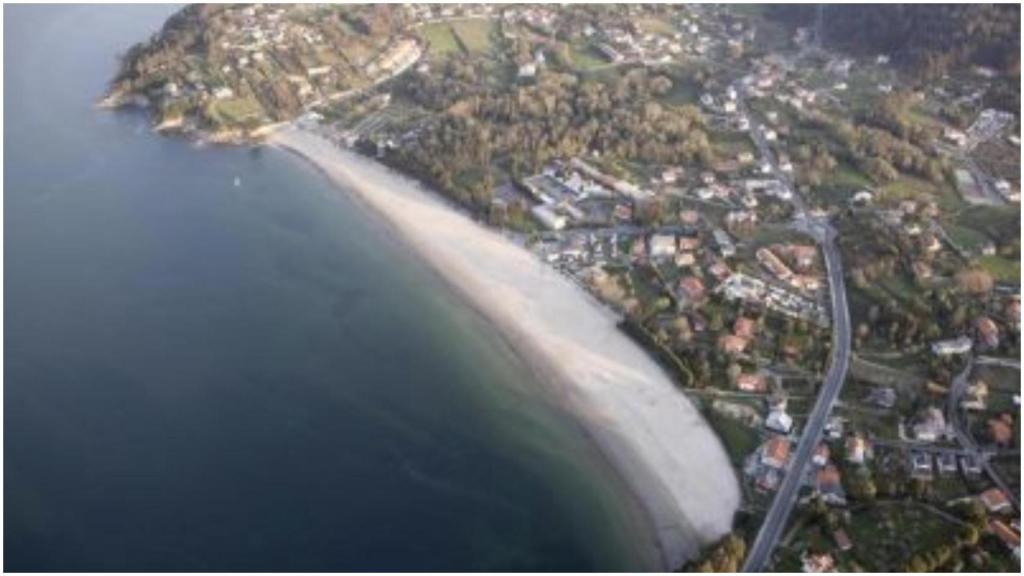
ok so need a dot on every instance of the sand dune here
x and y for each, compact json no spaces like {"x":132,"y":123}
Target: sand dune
{"x":648,"y":429}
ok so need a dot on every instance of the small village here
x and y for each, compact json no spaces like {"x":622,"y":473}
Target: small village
{"x":712,"y":264}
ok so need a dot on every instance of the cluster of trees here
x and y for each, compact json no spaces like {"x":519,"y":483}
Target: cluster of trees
{"x":880,"y":152}
{"x":890,"y":114}
{"x":928,"y":39}
{"x":930,"y":312}
{"x":944,"y":556}
{"x":725,"y":556}
{"x":523,"y":126}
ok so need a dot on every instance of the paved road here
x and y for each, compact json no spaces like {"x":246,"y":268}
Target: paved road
{"x":1001,"y":362}
{"x":963,"y":434}
{"x":786,"y":497}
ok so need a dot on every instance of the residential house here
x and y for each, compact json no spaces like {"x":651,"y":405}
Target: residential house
{"x":748,"y":382}
{"x":684,"y":259}
{"x":720,"y":270}
{"x":689,"y":217}
{"x":988,"y":333}
{"x":803,"y":256}
{"x":961,"y":345}
{"x":1009,"y":537}
{"x":812,"y":563}
{"x":779,"y":421}
{"x":744,"y":327}
{"x":969,"y":465}
{"x":976,"y":396}
{"x":946,"y":463}
{"x":689,"y":243}
{"x":884,"y":397}
{"x":528,"y":70}
{"x":834,"y":427}
{"x":995,"y":500}
{"x":691,"y":289}
{"x":930,"y":425}
{"x":773,"y":263}
{"x":921,"y":465}
{"x":775,"y":452}
{"x":725,"y":244}
{"x":842,"y":540}
{"x":857,"y":449}
{"x":732,"y":344}
{"x":1000,"y":430}
{"x":662,"y":246}
{"x":821,"y":455}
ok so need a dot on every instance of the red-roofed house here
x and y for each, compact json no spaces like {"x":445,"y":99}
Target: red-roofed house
{"x":1001,"y":430}
{"x":692,"y":288}
{"x":995,"y":500}
{"x":751,"y":383}
{"x":775,"y":452}
{"x":732,"y":344}
{"x":744,"y":327}
{"x":1010,"y":538}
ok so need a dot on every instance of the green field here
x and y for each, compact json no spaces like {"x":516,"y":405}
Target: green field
{"x":586,"y":57}
{"x":1002,"y":269}
{"x":440,"y":38}
{"x":235,"y":111}
{"x":739,"y":440}
{"x":912,"y":188}
{"x":887,"y":535}
{"x":966,"y":238}
{"x":995,"y":221}
{"x":847,"y":176}
{"x":474,"y":34}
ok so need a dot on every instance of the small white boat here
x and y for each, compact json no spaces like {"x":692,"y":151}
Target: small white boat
{"x":238,"y":181}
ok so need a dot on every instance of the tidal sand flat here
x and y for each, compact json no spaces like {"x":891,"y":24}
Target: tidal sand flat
{"x":650,"y":431}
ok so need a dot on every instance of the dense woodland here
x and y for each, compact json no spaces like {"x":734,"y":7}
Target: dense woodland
{"x":521,"y":126}
{"x":928,"y":40}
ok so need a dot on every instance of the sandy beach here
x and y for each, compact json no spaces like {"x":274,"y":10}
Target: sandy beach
{"x":649,"y":430}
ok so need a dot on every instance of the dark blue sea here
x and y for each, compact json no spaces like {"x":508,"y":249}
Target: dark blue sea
{"x":201,"y":375}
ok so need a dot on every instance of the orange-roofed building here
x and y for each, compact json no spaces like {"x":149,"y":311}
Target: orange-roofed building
{"x":995,"y":500}
{"x":692,"y":288}
{"x":744,"y":327}
{"x":1009,"y":537}
{"x":1001,"y":430}
{"x":732,"y":344}
{"x":776,"y":452}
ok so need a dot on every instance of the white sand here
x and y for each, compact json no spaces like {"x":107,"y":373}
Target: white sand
{"x":648,"y":429}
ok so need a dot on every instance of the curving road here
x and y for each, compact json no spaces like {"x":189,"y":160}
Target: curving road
{"x":786,"y":497}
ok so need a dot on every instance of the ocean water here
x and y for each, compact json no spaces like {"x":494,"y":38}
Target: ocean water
{"x":201,"y":375}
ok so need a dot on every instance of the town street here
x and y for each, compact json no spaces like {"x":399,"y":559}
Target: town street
{"x":786,"y":497}
{"x":958,"y":419}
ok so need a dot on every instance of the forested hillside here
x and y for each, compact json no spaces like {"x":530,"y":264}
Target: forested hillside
{"x":930,"y":38}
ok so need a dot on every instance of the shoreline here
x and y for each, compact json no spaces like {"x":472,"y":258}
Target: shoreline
{"x":653,"y":437}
